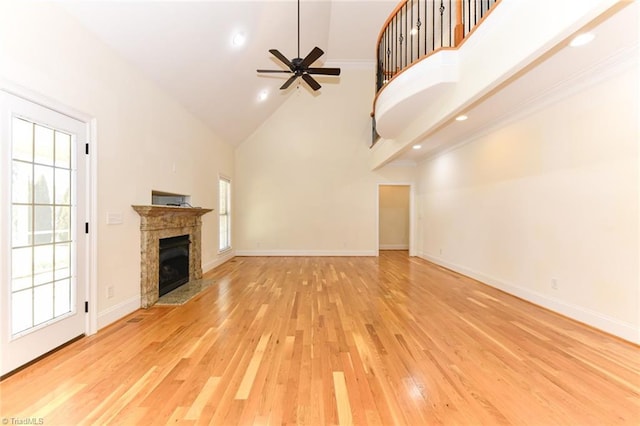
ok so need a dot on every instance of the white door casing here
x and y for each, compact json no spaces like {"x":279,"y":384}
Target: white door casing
{"x":44,"y":263}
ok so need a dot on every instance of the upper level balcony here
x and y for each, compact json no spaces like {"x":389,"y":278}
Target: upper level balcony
{"x":439,"y":59}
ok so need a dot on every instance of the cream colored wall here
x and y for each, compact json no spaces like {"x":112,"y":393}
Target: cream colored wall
{"x":145,"y":140}
{"x":303,"y":183}
{"x":552,"y":195}
{"x":393,"y":217}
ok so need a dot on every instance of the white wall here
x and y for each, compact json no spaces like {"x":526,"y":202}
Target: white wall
{"x":393,"y":217}
{"x":303,"y":184}
{"x":141,"y":136}
{"x":553,"y":195}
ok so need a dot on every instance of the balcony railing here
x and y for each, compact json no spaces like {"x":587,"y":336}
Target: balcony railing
{"x":417,"y":28}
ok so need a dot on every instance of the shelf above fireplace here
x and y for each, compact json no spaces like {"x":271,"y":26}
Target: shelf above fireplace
{"x":161,"y":198}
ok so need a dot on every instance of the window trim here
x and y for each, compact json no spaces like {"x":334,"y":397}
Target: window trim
{"x":227,"y":214}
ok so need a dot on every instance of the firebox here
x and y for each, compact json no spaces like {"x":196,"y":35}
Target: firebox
{"x":174,"y":263}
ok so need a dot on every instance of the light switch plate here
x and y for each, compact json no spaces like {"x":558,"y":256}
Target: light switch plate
{"x":114,"y":218}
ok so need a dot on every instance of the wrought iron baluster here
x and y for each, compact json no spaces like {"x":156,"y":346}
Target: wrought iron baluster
{"x":412,"y":33}
{"x":406,"y":34}
{"x":449,"y":24}
{"x":426,"y":26}
{"x":433,"y":26}
{"x":441,"y":23}
{"x":417,"y":19}
{"x":418,"y":23}
{"x":403,"y":36}
{"x":387,"y":53}
{"x":389,"y":47}
{"x":392,"y":47}
{"x":475,"y":15}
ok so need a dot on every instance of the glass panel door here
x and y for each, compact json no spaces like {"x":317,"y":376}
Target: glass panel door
{"x":43,"y":210}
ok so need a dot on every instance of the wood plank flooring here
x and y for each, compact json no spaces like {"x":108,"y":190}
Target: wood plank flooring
{"x":326,"y":340}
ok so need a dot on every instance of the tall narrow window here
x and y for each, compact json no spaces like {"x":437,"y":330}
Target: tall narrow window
{"x":225,"y":214}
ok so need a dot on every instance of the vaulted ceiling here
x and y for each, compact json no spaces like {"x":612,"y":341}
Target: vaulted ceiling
{"x":186,"y":48}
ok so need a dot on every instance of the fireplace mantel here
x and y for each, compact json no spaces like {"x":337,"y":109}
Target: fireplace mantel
{"x":172,"y":211}
{"x":158,"y":222}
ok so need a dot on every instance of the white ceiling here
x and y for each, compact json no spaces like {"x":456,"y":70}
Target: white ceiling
{"x":185,"y":48}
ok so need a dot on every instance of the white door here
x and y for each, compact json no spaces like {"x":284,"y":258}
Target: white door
{"x":43,"y":211}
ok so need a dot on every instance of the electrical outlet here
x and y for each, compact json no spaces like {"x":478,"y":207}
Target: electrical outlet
{"x":110,"y":292}
{"x":440,"y":251}
{"x":554,"y":283}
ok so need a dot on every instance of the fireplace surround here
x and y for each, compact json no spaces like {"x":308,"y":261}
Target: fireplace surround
{"x":159,"y":222}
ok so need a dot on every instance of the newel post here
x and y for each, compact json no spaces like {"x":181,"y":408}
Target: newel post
{"x":458,"y":31}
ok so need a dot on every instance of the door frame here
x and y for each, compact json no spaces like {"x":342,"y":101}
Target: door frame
{"x":91,"y":249}
{"x":412,"y":222}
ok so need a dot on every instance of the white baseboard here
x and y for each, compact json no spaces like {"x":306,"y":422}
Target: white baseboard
{"x":598,"y":320}
{"x":122,"y":309}
{"x":116,"y":312}
{"x":342,"y":253}
{"x":212,"y":264}
{"x":394,"y":246}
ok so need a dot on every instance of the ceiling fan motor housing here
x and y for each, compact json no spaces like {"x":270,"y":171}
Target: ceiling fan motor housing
{"x":296,"y":62}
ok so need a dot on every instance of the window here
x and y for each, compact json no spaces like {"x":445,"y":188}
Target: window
{"x":224,"y":215}
{"x":42,"y":207}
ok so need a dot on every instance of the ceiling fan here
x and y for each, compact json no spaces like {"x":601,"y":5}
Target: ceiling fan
{"x":300,"y":67}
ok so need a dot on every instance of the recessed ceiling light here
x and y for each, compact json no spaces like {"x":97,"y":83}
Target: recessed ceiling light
{"x":582,"y":39}
{"x":238,"y":39}
{"x":461,"y":117}
{"x":262,"y":96}
{"x":417,"y":146}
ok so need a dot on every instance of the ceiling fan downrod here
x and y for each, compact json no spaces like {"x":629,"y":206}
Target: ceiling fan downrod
{"x":301,"y":67}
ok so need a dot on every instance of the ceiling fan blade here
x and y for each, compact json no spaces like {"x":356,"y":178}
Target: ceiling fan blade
{"x":311,"y":82}
{"x":278,"y":71}
{"x":288,"y":82}
{"x":282,"y":58}
{"x":312,"y":57}
{"x":324,"y":71}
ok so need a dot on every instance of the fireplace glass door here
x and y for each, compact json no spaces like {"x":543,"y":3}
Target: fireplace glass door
{"x":173,"y":270}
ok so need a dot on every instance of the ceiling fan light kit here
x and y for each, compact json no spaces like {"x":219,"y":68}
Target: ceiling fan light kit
{"x":300,"y":67}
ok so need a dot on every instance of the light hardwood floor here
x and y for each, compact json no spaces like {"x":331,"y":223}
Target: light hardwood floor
{"x":309,"y":340}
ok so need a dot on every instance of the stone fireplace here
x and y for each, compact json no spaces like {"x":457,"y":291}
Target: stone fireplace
{"x":161,"y":222}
